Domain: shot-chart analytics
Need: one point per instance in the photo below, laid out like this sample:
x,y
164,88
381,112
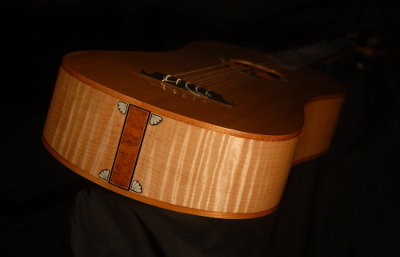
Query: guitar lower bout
x,y
148,151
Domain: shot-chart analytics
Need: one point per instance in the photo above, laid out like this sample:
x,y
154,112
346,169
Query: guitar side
x,y
168,160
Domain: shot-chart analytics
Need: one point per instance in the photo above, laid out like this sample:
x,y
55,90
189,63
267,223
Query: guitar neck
x,y
321,53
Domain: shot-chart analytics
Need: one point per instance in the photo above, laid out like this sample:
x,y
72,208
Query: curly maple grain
x,y
199,157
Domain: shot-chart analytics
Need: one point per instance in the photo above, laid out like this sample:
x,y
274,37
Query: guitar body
x,y
171,147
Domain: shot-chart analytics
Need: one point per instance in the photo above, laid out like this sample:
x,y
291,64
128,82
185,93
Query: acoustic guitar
x,y
210,129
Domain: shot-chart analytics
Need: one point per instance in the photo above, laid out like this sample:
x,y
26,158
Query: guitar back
x,y
178,149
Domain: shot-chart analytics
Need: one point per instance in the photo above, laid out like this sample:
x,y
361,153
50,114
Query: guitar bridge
x,y
199,91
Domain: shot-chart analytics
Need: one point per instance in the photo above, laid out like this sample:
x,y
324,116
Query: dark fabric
x,y
345,203
106,224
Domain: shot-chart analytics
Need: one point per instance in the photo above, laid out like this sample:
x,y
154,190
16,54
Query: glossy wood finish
x,y
204,158
129,147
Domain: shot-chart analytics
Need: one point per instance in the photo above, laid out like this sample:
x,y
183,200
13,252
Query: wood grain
x,y
83,124
129,146
321,115
204,158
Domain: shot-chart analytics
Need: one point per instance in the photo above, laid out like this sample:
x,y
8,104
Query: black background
x,y
345,203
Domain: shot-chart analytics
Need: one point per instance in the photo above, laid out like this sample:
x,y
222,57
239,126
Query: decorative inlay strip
x,y
129,147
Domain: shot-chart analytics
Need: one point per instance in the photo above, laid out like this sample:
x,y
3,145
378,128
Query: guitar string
x,y
223,67
206,81
215,84
232,80
236,80
198,70
207,76
236,84
304,51
237,73
271,63
242,81
204,78
210,67
204,74
232,88
268,63
289,56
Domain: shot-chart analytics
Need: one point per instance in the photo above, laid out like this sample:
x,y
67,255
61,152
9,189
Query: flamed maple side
x,y
165,146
